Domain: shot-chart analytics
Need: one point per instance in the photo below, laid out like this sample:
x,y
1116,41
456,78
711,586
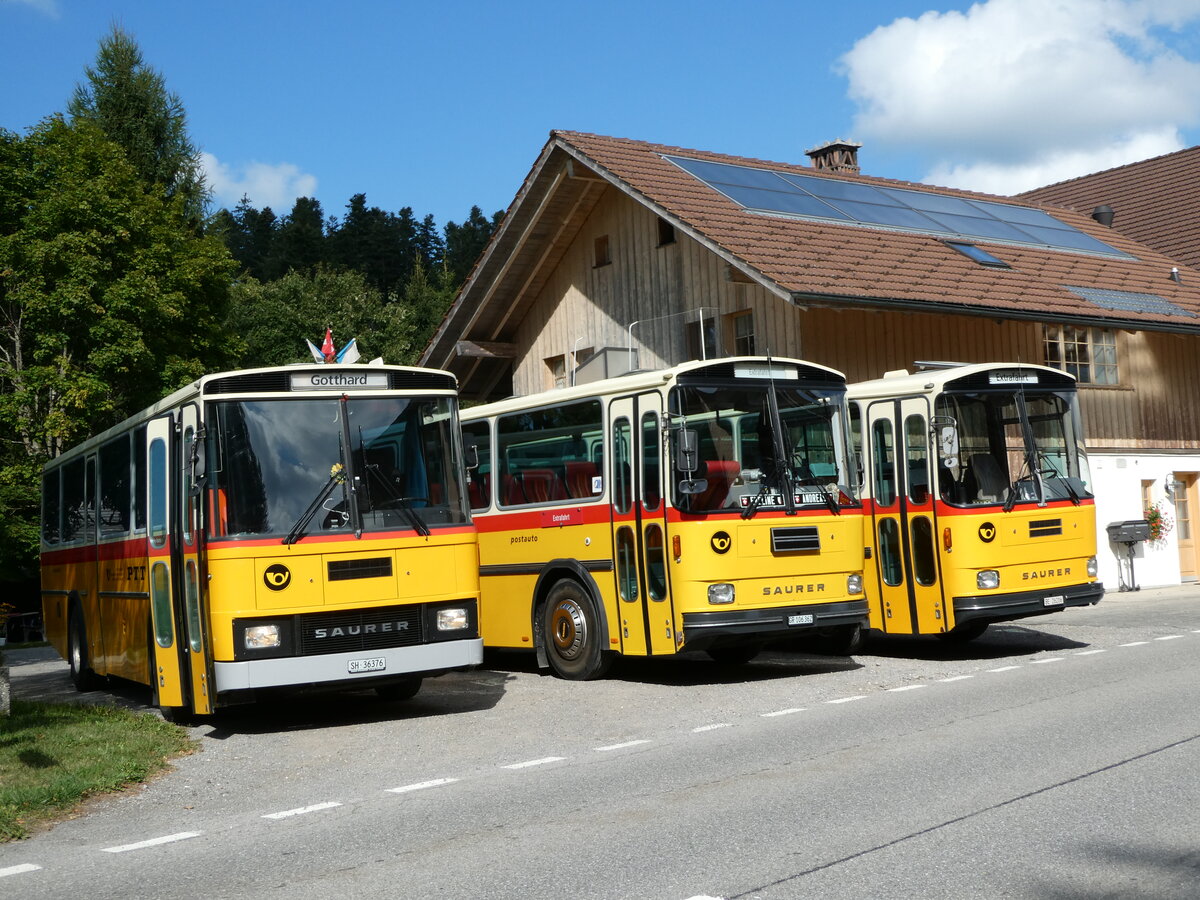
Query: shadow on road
x,y
998,642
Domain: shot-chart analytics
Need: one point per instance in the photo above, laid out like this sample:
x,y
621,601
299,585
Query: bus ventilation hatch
x,y
360,629
795,540
1045,527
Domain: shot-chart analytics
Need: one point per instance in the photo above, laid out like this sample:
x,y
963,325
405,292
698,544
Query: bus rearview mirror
x,y
687,450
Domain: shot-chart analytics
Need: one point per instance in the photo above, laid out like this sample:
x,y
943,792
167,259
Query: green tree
x,y
300,239
130,103
465,242
274,318
426,300
108,300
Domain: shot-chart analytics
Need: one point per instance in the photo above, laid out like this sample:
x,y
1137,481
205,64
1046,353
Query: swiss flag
x,y
327,347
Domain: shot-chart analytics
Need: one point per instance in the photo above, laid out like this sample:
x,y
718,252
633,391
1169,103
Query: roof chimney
x,y
1104,215
835,156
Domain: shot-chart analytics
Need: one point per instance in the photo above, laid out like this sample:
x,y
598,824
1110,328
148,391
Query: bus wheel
x,y
968,631
399,690
842,640
82,675
737,655
571,633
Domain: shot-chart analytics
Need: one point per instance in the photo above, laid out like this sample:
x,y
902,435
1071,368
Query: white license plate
x,y
1052,601
800,620
374,664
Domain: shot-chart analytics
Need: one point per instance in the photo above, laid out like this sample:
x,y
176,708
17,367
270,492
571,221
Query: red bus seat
x,y
579,479
720,474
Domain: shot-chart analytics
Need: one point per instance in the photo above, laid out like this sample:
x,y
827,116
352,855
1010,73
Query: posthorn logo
x,y
721,542
987,532
277,577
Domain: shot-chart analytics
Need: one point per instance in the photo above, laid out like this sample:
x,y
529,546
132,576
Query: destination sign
x,y
1012,378
339,381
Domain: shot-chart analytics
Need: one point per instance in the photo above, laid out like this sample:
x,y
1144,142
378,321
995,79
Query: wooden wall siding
x,y
1155,407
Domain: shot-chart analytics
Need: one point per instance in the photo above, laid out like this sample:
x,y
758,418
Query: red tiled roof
x,y
856,264
1155,201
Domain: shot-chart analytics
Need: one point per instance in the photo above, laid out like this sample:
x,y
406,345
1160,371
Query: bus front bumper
x,y
707,629
1003,607
336,668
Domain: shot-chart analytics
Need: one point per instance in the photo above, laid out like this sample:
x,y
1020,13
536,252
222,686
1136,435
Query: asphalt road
x,y
1052,758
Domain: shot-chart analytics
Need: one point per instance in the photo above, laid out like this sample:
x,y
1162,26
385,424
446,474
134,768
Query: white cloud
x,y
276,186
48,7
1012,94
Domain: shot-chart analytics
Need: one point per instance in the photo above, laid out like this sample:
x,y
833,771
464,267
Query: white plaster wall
x,y
1117,483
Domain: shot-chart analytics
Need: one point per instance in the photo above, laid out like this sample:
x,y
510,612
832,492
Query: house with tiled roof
x,y
619,253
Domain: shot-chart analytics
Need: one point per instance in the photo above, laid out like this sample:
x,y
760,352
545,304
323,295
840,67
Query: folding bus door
x,y
652,531
162,456
195,619
904,526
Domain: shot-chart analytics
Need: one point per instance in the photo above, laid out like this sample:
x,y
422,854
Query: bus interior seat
x,y
480,488
989,478
542,486
720,474
579,479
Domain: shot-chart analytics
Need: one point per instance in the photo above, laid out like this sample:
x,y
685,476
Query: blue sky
x,y
444,105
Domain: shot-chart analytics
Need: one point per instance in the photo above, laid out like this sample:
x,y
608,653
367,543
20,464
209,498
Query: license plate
x,y
1053,601
800,620
374,664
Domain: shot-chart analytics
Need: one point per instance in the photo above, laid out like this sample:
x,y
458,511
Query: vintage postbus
x,y
701,507
977,500
270,528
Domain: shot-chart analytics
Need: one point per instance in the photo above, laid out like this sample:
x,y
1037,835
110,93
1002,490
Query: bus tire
x,y
571,633
737,655
399,690
968,631
82,674
842,640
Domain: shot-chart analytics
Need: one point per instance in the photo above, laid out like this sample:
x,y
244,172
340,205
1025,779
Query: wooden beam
x,y
485,349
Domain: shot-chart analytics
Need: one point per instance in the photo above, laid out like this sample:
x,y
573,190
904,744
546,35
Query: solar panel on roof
x,y
1129,301
899,209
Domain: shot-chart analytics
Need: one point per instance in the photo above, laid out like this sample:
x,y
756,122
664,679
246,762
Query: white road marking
x,y
1004,669
421,785
1088,652
955,678
1169,637
153,842
536,762
907,687
1135,643
316,807
19,870
621,746
782,712
710,727
1038,662
848,699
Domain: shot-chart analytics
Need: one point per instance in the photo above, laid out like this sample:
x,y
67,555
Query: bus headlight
x,y
262,637
720,593
1093,567
454,618
854,584
987,580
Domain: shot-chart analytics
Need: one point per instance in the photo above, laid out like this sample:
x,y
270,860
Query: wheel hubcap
x,y
568,629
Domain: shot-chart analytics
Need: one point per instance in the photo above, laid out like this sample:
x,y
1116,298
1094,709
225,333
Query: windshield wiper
x,y
404,504
337,475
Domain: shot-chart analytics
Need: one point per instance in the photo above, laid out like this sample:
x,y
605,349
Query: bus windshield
x,y
282,467
1013,447
748,462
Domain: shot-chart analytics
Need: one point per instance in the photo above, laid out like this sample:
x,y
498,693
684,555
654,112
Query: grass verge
x,y
53,756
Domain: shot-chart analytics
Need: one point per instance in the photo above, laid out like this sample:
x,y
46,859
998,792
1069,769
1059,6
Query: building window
x,y
743,334
666,232
603,254
557,369
1090,354
701,338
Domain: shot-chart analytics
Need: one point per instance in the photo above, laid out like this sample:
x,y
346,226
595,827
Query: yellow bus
x,y
266,529
977,501
702,507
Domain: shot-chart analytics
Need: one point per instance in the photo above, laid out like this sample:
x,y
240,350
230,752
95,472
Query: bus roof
x,y
943,375
632,382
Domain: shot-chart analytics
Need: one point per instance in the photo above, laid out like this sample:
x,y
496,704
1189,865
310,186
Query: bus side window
x,y
622,488
651,456
479,484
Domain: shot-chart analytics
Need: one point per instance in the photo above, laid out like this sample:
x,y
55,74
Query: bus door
x,y
639,526
163,555
196,649
903,520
